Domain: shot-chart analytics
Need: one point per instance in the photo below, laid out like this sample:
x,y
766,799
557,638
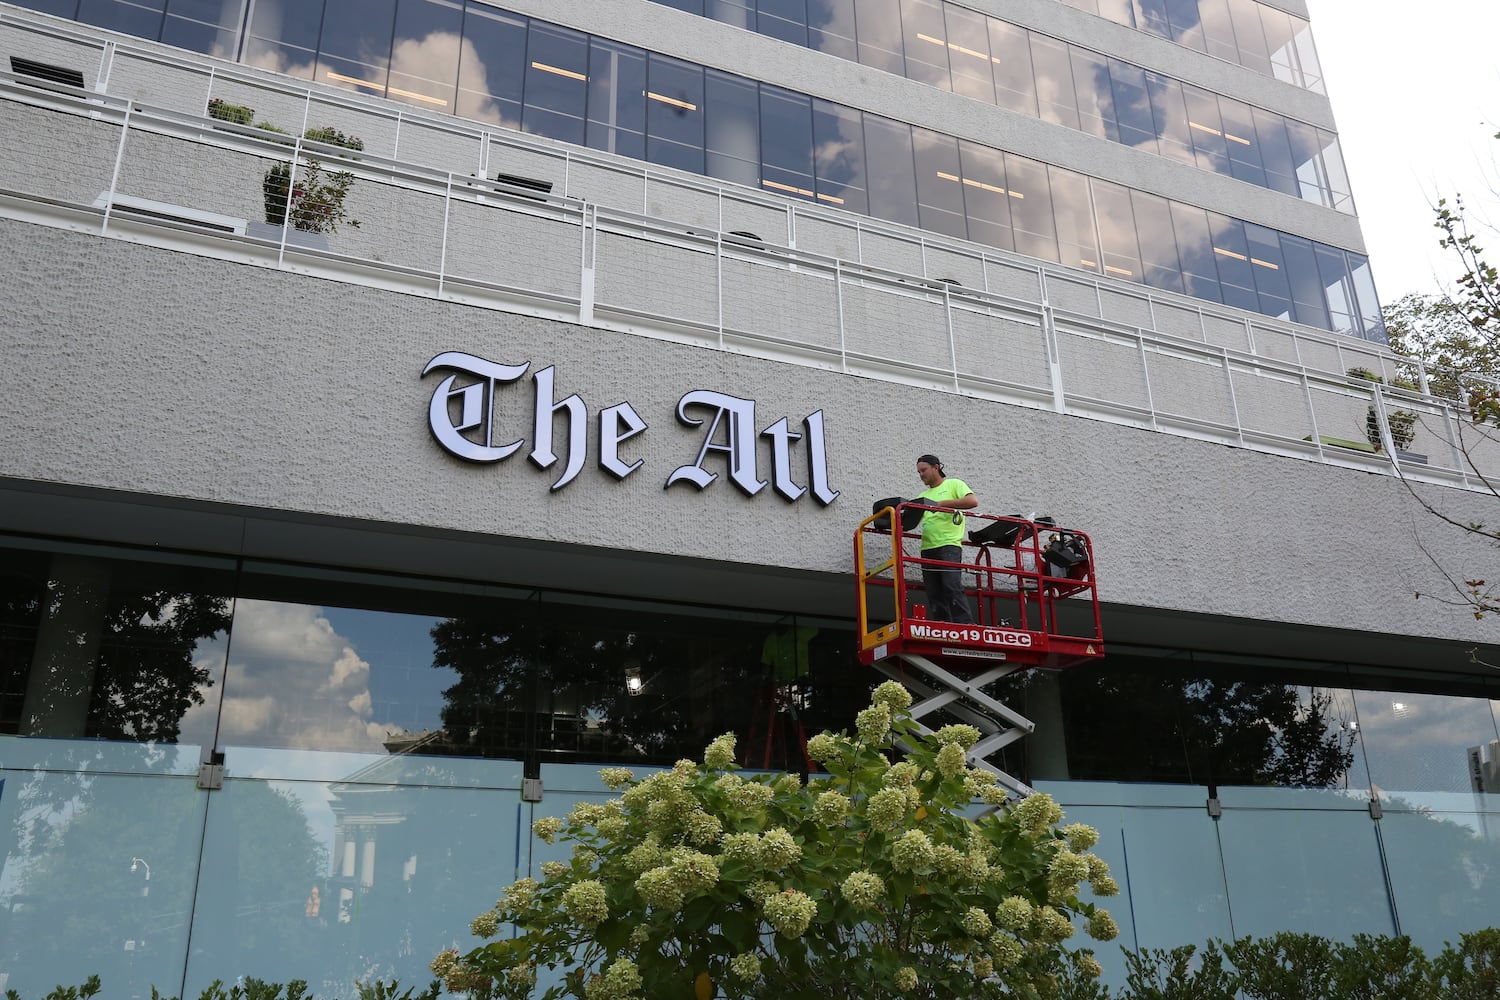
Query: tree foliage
x,y
870,881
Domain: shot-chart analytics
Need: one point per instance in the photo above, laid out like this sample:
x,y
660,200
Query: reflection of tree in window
x,y
1159,724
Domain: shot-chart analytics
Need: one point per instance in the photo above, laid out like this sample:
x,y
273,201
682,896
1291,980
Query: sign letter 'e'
x,y
740,447
476,405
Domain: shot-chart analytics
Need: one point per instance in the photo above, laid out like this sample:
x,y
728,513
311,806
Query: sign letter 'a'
x,y
476,405
738,417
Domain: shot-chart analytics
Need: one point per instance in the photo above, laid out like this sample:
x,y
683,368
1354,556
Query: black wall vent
x,y
46,71
530,183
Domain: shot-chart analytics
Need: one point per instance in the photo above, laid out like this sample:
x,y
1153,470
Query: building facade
x,y
539,439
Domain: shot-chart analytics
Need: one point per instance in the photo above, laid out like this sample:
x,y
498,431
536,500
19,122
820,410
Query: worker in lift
x,y
942,539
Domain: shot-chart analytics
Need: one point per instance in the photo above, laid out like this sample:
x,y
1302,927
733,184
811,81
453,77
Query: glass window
x,y
830,28
1444,861
740,13
1364,294
940,197
101,648
492,66
1337,177
1015,80
1056,100
783,19
354,51
1302,273
1206,130
1232,254
1269,270
1169,116
892,170
1118,11
926,40
674,113
1276,152
1117,234
556,95
969,53
1153,226
62,8
617,99
691,6
424,58
1240,140
1031,208
879,35
1151,15
1096,102
1218,29
1078,244
986,197
1249,36
284,36
1200,272
208,26
732,131
1307,163
1312,870
1307,57
1338,292
1132,105
786,142
1186,23
141,18
1280,43
839,155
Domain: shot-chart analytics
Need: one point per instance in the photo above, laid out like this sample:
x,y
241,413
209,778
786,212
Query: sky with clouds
x,y
1416,96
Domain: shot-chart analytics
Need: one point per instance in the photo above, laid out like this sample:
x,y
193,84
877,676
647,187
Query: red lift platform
x,y
1032,586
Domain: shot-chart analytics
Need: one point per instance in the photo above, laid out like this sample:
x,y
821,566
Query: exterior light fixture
x,y
633,682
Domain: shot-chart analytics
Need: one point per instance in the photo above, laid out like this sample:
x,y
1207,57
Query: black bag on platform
x,y
909,518
1005,533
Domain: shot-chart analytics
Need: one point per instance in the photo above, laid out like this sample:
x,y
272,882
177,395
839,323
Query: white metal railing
x,y
998,334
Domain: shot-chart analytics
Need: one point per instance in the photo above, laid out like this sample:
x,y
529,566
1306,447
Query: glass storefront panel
x,y
1443,850
98,872
346,881
1422,742
1303,860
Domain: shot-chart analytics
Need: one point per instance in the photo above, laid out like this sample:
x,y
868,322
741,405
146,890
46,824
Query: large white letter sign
x,y
476,403
577,416
740,447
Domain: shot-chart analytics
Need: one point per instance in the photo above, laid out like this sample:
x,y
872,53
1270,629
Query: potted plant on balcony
x,y
314,204
1402,423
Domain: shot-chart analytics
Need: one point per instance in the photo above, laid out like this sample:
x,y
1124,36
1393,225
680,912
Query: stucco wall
x,y
148,371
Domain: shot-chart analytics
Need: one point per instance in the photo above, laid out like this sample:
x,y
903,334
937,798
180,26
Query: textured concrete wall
x,y
148,371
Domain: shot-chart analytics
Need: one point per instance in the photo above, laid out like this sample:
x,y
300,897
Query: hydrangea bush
x,y
870,881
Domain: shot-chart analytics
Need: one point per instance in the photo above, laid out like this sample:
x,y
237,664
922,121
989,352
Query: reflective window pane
x,y
1422,742
556,87
1307,163
892,171
1185,23
425,55
1269,269
1249,36
1153,222
830,28
354,50
1056,100
839,150
1151,15
1169,115
674,113
1218,29
783,19
986,197
1336,176
1200,272
1338,290
1276,152
208,26
1232,254
1206,130
1443,853
879,35
284,36
1132,105
1122,258
62,8
1096,101
786,142
969,53
1016,83
617,99
1307,289
1364,294
492,66
1031,208
740,13
1240,140
940,199
141,18
1078,246
926,41
733,133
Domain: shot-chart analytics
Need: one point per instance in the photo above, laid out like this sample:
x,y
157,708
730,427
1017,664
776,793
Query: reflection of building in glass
x,y
555,459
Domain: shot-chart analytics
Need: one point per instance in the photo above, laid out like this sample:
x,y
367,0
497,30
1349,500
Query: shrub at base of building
x,y
868,882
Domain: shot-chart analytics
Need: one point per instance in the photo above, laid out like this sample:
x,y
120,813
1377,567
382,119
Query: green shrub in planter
x,y
239,114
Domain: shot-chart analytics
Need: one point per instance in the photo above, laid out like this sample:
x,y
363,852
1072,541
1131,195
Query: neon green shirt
x,y
947,527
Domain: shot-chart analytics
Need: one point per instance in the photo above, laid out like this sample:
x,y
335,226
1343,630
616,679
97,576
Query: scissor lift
x,y
1032,613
